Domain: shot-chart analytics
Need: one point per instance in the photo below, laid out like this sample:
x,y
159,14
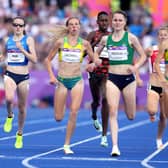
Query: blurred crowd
x,y
40,14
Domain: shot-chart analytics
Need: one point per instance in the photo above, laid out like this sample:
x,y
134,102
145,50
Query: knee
x,y
95,104
9,100
151,110
73,115
113,115
58,117
22,108
104,102
131,116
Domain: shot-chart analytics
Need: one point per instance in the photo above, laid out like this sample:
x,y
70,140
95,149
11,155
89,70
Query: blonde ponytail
x,y
56,32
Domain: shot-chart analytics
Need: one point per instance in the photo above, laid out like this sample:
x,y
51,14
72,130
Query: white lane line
x,y
31,122
46,130
83,159
26,161
147,159
104,159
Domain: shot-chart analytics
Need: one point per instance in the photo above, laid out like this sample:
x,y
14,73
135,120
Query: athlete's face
x,y
162,35
103,22
73,26
118,22
18,26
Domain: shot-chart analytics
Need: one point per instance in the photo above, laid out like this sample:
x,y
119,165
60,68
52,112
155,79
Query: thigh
x,y
10,87
22,92
77,95
94,88
129,96
165,101
60,97
113,96
102,88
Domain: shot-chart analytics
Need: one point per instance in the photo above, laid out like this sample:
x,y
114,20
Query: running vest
x,y
166,56
14,56
70,53
120,52
104,53
103,68
152,59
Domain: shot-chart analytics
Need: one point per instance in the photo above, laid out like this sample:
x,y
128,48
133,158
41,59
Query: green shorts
x,y
69,83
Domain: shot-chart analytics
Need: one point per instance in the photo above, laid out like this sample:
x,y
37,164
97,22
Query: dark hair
x,y
101,13
67,22
19,17
120,12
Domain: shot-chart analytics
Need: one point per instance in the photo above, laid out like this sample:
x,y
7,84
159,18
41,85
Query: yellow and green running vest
x,y
70,53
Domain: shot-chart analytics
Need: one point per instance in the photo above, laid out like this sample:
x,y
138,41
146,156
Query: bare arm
x,y
157,62
102,44
30,55
48,60
95,61
148,51
136,44
89,50
1,57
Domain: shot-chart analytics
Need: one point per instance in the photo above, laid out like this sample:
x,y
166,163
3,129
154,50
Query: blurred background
x,y
144,19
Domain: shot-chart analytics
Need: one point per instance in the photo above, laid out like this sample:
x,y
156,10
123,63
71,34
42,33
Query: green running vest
x,y
120,52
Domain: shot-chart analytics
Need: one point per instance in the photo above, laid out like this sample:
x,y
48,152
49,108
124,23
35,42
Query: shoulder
x,y
59,42
29,39
105,37
85,42
131,36
91,35
133,39
6,39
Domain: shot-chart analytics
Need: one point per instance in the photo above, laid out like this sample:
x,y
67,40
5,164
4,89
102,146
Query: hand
x,y
19,45
98,62
131,69
90,67
53,81
139,82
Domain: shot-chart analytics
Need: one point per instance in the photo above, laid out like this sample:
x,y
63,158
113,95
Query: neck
x,y
72,37
72,40
17,37
103,30
118,33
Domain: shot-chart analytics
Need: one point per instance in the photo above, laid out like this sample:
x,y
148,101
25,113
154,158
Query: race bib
x,y
15,57
71,55
104,53
118,53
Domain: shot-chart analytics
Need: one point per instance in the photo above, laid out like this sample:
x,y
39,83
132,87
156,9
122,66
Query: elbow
x,y
46,61
34,60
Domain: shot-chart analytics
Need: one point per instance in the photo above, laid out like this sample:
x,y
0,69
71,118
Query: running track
x,y
44,138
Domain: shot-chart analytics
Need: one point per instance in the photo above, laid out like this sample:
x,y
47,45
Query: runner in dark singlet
x,y
98,78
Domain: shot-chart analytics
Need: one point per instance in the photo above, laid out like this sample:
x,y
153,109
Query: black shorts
x,y
121,81
17,77
157,89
